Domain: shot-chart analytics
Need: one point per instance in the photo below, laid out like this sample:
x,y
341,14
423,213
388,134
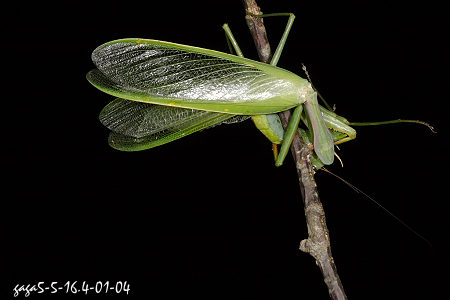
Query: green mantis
x,y
176,90
214,86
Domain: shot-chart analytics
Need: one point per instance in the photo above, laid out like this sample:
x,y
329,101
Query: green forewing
x,y
183,76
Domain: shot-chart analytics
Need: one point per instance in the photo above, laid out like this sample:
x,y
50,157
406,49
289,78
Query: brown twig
x,y
318,242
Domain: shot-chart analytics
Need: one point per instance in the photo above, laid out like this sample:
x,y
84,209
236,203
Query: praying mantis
x,y
167,91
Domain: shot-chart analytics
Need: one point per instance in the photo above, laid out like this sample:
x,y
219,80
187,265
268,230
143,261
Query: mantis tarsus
x,y
177,90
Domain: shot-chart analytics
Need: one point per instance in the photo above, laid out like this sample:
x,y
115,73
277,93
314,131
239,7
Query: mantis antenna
x,y
379,205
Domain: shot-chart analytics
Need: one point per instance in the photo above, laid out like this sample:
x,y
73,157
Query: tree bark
x,y
318,242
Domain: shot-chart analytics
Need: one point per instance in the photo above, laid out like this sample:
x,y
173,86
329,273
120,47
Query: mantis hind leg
x,y
270,125
232,41
295,117
232,44
289,134
277,53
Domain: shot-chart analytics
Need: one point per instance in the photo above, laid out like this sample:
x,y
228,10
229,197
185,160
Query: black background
x,y
209,216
